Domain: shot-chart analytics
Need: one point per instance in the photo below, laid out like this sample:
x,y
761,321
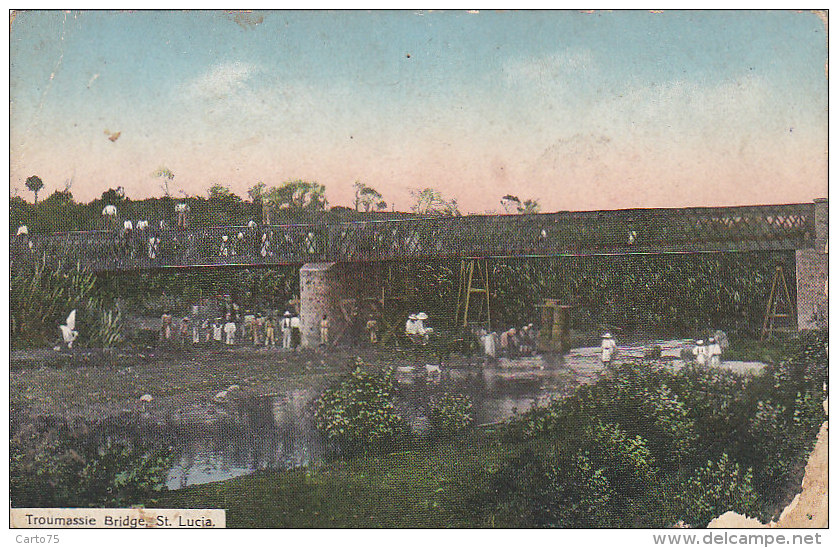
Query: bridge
x,y
800,227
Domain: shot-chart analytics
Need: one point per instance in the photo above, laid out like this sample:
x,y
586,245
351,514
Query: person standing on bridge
x,y
608,349
109,215
182,210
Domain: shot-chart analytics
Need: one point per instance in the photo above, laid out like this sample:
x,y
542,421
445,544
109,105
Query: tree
x,y
368,198
513,204
297,196
167,176
256,192
221,192
431,202
34,184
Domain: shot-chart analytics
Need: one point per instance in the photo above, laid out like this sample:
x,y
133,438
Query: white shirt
x,y
216,332
295,322
229,328
181,207
608,348
128,225
23,229
109,210
142,225
700,353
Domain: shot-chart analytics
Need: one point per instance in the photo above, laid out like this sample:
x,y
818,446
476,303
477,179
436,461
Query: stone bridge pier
x,y
812,267
333,290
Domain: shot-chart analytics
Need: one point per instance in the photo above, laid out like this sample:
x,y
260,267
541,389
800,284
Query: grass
x,y
432,486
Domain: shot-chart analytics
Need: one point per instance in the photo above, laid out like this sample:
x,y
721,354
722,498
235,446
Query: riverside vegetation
x,y
642,447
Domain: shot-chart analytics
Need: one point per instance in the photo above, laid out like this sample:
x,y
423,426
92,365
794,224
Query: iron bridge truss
x,y
629,231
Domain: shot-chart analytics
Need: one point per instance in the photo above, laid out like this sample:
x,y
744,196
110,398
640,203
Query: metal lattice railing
x,y
751,228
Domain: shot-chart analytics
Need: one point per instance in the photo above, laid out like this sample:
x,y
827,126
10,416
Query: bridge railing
x,y
751,228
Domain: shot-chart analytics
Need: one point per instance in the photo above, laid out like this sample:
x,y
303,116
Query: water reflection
x,y
277,432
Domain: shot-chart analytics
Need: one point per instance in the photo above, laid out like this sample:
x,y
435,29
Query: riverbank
x,y
92,386
435,485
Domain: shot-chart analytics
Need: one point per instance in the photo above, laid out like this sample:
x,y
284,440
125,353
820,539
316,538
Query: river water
x,y
276,432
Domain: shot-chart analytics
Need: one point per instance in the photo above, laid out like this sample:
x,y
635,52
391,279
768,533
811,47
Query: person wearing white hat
x,y
608,348
182,209
224,250
285,327
700,352
410,325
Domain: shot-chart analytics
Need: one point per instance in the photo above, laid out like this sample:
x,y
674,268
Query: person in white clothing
x,y
714,352
230,332
285,327
700,352
296,334
217,330
608,348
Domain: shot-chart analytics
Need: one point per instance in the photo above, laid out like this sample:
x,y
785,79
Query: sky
x,y
579,110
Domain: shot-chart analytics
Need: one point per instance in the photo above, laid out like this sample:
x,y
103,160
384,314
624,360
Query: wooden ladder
x,y
474,279
774,299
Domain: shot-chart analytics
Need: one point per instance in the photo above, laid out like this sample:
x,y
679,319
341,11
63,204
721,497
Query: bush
x,y
64,469
559,491
359,414
716,488
43,294
450,414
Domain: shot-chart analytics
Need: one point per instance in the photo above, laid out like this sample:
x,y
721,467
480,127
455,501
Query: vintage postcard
x,y
419,269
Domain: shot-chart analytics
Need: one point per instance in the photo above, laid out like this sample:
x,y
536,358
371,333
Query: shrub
x,y
57,468
450,414
43,294
560,491
359,414
716,488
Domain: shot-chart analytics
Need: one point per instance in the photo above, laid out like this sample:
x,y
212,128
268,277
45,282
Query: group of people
x,y
416,330
248,328
708,353
511,342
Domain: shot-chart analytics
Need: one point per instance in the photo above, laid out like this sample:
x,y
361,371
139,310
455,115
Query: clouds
x,y
222,81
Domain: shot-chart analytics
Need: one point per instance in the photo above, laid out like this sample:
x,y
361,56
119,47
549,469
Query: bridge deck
x,y
748,228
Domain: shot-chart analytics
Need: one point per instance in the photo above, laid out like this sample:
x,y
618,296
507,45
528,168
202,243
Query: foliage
x,y
359,414
166,176
34,184
513,204
297,196
368,198
221,192
637,399
716,488
55,468
561,491
450,414
429,201
43,294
